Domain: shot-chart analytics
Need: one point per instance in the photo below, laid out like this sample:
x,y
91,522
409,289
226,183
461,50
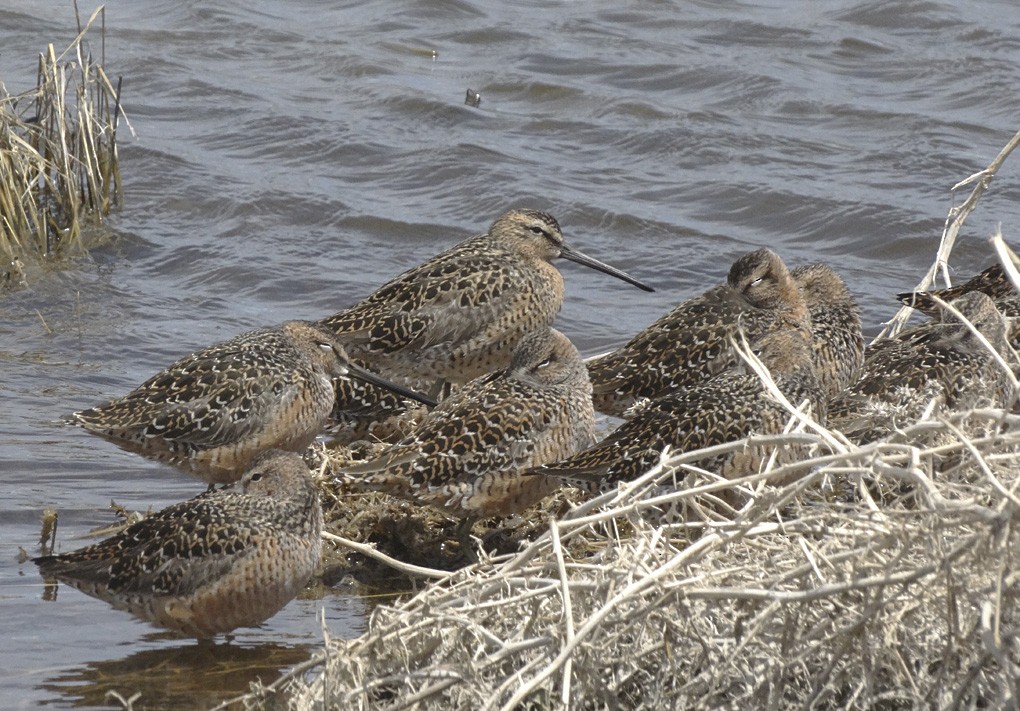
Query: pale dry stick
x,y
575,519
744,350
511,680
406,568
447,679
1000,361
996,628
954,221
985,469
425,693
635,588
1007,257
292,673
118,113
636,487
76,42
831,559
568,613
830,589
684,557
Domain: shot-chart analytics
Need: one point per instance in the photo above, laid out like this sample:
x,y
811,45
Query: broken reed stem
x,y
879,575
954,221
59,169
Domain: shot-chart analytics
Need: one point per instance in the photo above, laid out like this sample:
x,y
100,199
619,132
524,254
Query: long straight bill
x,y
368,376
580,258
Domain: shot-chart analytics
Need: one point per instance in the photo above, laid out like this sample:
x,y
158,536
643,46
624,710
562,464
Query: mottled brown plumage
x,y
940,361
225,559
692,342
460,315
212,412
723,409
992,281
466,456
835,327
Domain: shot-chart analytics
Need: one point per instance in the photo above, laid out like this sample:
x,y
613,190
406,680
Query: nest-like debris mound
x,y
883,575
403,531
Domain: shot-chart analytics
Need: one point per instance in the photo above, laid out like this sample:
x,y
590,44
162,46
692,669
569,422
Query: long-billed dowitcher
x,y
940,365
835,327
456,317
692,342
211,412
227,558
726,408
466,456
460,314
992,281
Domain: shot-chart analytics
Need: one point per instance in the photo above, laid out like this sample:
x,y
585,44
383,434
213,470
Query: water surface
x,y
289,158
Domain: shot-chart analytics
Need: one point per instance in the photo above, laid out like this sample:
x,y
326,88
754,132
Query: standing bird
x,y
692,343
838,342
939,362
726,408
213,411
465,458
225,559
460,315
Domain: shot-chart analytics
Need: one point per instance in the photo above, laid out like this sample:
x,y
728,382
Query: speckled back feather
x,y
691,343
940,360
465,457
992,281
460,314
722,409
838,341
225,559
211,412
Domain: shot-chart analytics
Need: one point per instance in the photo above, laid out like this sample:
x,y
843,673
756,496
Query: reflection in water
x,y
192,675
288,162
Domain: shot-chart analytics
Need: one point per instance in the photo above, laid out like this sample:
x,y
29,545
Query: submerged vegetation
x,y
58,154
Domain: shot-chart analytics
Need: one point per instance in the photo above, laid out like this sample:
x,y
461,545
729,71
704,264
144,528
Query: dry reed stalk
x,y
883,575
954,221
809,596
59,171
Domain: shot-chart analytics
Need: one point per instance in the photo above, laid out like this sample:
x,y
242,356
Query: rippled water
x,y
291,157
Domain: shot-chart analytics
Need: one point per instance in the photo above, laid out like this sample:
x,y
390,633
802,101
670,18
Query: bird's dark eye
x,y
324,346
256,477
545,363
536,230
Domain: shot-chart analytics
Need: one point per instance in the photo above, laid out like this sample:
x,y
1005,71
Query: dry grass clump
x,y
398,531
886,576
58,153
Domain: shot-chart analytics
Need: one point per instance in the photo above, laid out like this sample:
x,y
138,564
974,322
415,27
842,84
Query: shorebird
x,y
940,363
225,559
211,412
725,408
466,456
992,281
460,315
838,342
692,342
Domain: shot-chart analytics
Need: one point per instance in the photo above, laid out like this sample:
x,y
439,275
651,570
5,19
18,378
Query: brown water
x,y
292,156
